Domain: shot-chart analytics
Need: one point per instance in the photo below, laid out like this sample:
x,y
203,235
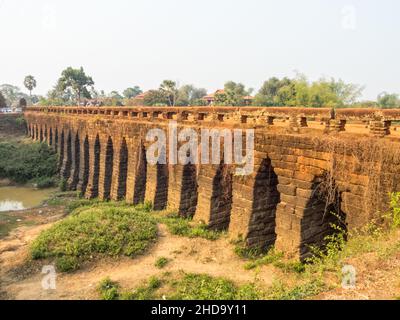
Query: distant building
x,y
139,99
210,99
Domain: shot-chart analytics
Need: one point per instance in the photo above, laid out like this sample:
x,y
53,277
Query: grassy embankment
x,y
116,229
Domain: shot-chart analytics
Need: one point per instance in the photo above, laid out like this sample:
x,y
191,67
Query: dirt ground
x,y
377,278
216,258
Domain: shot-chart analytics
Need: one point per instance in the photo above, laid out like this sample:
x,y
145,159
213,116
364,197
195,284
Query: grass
x,y
279,291
109,290
7,223
161,262
107,229
188,286
187,228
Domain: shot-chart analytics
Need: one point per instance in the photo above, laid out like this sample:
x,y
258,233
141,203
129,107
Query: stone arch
x,y
221,199
266,197
94,190
189,191
41,134
108,169
141,177
123,170
65,171
36,132
56,139
51,136
322,215
161,192
86,164
45,138
76,162
61,146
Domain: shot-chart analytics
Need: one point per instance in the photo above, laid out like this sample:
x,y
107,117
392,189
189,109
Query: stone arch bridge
x,y
308,163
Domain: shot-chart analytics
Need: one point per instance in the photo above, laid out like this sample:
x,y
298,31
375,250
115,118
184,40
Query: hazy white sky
x,y
123,43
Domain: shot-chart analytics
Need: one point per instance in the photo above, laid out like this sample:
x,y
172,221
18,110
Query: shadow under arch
x,y
141,177
67,161
221,199
108,169
94,192
123,170
189,191
323,216
266,197
51,136
84,179
76,162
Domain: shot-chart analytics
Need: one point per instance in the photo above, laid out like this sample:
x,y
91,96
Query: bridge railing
x,y
379,121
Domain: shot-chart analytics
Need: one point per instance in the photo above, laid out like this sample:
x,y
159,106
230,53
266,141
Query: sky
x,y
123,43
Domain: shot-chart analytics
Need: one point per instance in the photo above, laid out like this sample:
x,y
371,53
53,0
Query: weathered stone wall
x,y
301,174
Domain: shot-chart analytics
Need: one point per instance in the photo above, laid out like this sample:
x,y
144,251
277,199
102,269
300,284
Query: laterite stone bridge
x,y
308,163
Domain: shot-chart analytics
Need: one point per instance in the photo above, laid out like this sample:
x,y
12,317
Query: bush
x,y
109,290
100,229
45,182
27,162
161,262
395,210
67,263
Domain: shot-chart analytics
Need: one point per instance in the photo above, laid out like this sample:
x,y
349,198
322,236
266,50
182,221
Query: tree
x,y
188,95
232,95
156,98
77,81
387,100
3,103
269,94
170,91
12,94
130,93
30,83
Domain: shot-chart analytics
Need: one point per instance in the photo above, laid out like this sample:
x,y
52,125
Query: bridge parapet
x,y
378,121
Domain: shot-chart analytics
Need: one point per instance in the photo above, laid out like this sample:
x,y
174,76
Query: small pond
x,y
20,198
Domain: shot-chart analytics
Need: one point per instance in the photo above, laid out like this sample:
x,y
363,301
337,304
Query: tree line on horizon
x,y
74,87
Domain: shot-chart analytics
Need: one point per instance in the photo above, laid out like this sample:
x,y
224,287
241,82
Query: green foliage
x,y
20,121
3,102
22,162
387,100
30,83
246,252
108,289
98,229
161,262
279,291
188,95
67,263
300,92
330,253
205,287
232,95
45,182
12,94
130,93
184,227
75,80
394,215
155,98
63,186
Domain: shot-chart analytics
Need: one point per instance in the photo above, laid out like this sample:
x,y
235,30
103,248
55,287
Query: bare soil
x,y
21,278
